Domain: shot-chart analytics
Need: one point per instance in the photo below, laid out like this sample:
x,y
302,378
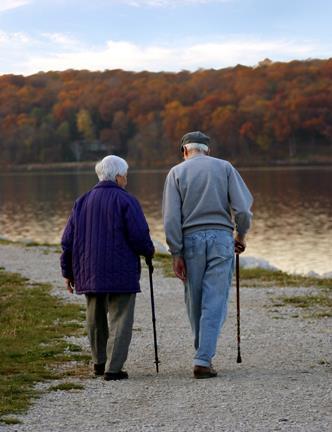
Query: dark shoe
x,y
115,376
203,372
99,369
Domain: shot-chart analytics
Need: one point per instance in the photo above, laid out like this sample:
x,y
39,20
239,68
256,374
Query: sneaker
x,y
99,369
115,376
203,372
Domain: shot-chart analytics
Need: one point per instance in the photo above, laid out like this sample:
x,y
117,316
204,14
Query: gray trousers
x,y
110,339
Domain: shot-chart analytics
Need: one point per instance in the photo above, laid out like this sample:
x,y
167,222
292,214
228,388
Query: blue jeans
x,y
209,258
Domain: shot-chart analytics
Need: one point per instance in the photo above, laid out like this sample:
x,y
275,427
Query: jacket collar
x,y
107,184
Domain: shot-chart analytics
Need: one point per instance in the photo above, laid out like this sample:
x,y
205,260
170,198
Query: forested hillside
x,y
276,111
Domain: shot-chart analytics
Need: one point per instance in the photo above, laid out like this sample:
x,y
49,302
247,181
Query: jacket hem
x,y
106,292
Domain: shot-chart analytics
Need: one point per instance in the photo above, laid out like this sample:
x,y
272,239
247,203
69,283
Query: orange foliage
x,y
275,110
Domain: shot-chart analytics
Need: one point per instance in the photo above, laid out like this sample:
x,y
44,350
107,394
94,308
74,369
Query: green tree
x,y
85,125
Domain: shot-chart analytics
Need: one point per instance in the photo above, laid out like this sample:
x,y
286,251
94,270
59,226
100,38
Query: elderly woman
x,y
102,241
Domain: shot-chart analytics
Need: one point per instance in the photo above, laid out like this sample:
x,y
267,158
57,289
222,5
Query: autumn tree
x,y
275,111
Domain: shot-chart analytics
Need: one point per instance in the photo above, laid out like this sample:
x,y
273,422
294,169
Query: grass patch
x,y
73,348
164,261
9,420
314,305
37,244
33,324
52,246
280,278
324,362
324,314
255,277
302,301
6,242
67,386
47,248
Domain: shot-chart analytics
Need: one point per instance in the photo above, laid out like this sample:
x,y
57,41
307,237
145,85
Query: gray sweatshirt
x,y
204,193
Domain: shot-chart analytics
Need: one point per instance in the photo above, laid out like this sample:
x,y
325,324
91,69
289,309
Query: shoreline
x,y
89,165
246,262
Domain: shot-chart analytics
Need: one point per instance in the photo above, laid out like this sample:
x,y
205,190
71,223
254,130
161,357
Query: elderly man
x,y
104,237
201,196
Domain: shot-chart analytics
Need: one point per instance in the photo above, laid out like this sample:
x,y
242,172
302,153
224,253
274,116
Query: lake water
x,y
292,227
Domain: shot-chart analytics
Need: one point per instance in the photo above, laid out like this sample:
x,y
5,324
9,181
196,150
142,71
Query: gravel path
x,y
282,384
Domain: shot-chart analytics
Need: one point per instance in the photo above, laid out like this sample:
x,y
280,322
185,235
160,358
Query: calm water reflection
x,y
293,210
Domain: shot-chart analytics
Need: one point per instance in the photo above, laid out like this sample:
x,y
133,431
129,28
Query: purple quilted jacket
x,y
103,239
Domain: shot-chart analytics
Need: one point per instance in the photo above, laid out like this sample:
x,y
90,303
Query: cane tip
x,y
239,360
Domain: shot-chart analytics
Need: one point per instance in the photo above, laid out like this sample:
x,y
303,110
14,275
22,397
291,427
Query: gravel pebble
x,y
282,383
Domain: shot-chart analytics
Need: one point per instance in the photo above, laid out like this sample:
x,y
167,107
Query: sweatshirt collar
x,y
196,156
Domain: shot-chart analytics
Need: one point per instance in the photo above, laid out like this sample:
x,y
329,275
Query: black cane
x,y
239,360
149,263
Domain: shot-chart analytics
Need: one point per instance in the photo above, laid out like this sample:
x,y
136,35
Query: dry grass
x,y
33,324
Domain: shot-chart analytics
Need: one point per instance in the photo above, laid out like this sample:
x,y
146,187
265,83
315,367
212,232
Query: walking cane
x,y
149,263
239,360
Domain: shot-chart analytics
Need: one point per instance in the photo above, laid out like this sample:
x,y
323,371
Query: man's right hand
x,y
179,267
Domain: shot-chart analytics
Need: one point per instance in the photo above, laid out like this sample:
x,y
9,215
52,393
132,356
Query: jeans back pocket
x,y
189,247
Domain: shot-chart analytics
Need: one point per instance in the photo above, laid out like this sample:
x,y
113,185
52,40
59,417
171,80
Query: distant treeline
x,y
275,111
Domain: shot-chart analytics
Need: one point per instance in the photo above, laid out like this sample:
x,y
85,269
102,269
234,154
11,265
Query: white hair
x,y
110,167
197,146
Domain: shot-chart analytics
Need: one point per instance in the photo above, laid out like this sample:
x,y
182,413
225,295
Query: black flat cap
x,y
195,137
